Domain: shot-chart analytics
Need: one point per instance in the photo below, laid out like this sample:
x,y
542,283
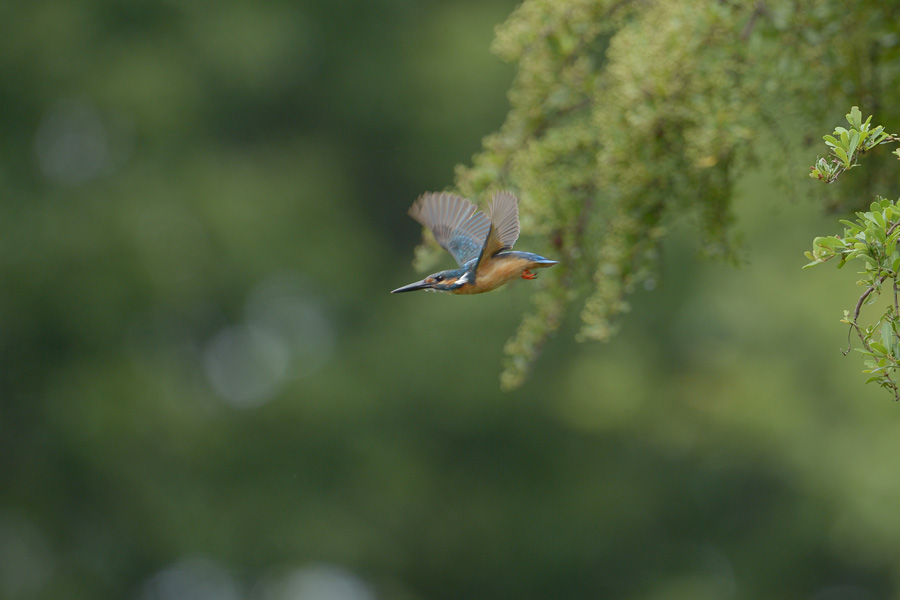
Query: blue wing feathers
x,y
456,223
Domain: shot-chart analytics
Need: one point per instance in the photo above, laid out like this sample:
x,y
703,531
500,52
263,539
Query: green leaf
x,y
842,154
887,335
878,219
854,143
876,136
855,117
845,138
830,243
895,325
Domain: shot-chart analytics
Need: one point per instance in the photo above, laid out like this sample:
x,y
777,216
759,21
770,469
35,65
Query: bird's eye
x,y
438,277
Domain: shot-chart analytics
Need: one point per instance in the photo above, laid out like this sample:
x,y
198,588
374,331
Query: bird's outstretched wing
x,y
456,223
504,219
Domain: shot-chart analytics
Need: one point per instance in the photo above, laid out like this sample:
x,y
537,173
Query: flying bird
x,y
481,243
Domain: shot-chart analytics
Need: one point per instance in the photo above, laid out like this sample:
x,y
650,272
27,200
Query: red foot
x,y
526,274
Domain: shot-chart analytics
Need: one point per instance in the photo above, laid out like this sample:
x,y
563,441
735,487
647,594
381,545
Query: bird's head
x,y
443,281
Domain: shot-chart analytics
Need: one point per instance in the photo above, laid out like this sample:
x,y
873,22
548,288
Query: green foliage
x,y
846,146
628,116
872,238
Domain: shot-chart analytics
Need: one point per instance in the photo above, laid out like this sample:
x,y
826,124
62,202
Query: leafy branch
x,y
872,238
847,145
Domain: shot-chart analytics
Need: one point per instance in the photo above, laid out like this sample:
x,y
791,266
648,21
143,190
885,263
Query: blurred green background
x,y
206,391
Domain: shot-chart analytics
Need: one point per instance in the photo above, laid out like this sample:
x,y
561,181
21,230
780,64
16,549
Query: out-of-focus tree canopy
x,y
206,390
627,116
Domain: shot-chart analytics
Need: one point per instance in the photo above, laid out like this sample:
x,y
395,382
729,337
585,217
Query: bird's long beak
x,y
419,285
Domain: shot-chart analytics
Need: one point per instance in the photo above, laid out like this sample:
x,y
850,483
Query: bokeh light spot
x,y
75,144
286,335
320,581
26,563
285,307
194,578
245,365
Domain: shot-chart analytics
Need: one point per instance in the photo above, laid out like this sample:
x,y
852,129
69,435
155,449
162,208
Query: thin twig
x,y
890,383
849,341
896,306
758,11
865,295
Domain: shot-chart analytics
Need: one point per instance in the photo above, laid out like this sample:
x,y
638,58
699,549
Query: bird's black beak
x,y
419,285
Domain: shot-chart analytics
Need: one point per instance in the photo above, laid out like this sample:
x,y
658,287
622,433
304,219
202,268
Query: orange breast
x,y
496,273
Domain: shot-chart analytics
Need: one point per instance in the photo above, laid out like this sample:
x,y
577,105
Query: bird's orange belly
x,y
495,274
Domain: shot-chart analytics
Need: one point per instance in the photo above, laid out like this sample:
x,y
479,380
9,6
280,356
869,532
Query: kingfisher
x,y
481,243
